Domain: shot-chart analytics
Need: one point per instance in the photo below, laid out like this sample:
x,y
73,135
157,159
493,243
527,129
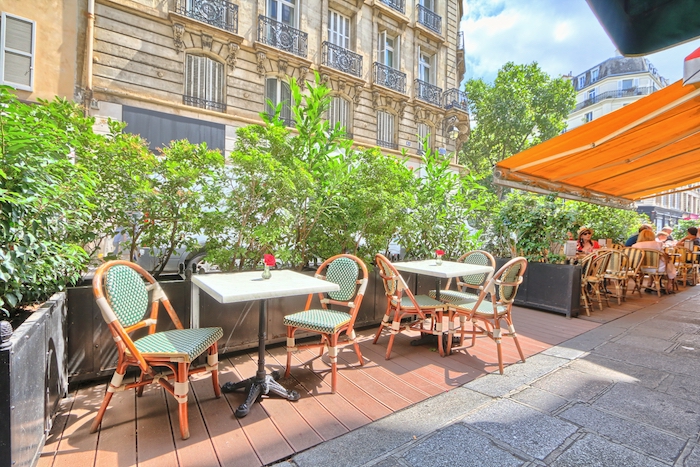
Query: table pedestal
x,y
262,383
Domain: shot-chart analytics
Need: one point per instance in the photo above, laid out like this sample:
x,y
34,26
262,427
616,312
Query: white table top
x,y
249,285
445,270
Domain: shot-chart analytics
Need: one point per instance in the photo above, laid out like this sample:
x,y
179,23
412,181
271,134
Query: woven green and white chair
x,y
123,291
494,305
468,287
350,273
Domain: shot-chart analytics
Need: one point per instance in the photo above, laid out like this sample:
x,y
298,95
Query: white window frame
x,y
280,4
385,49
594,75
581,81
591,94
4,49
386,127
210,83
588,117
281,92
429,4
635,83
339,29
427,67
339,111
424,130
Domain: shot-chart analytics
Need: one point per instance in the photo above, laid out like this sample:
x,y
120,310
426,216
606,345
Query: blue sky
x,y
562,36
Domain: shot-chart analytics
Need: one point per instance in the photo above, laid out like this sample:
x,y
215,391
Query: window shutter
x,y
382,48
397,53
286,98
433,69
270,94
18,51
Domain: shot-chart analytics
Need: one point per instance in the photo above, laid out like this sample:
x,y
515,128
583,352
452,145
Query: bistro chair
x,y
401,303
635,258
616,273
650,269
682,259
468,287
494,304
343,270
593,267
123,298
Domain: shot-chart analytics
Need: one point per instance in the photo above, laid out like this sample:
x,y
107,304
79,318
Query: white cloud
x,y
561,36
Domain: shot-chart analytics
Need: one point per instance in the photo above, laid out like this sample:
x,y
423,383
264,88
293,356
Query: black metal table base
x,y
255,388
432,339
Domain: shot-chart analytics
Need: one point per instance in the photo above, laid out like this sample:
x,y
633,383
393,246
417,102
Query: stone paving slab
x,y
619,371
539,399
574,385
516,375
595,451
645,342
650,359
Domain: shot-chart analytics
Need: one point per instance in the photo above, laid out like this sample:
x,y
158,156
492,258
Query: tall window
x,y
628,85
386,130
591,95
581,81
17,41
204,82
389,50
339,113
588,117
338,29
283,11
424,134
429,4
277,91
594,75
426,67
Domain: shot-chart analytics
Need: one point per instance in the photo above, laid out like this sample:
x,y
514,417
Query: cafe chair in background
x,y
635,257
616,274
494,305
401,303
123,291
350,273
650,269
468,287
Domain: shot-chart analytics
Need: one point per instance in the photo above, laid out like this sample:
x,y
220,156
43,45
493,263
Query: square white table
x,y
445,270
248,286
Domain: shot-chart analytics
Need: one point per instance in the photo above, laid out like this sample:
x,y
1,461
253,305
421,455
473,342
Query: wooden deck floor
x,y
144,431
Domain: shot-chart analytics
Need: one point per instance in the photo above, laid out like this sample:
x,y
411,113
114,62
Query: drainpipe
x,y
90,37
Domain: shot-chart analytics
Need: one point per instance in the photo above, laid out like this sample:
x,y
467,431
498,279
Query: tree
x,y
523,107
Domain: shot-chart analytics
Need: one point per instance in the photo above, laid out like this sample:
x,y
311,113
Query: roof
x,y
644,148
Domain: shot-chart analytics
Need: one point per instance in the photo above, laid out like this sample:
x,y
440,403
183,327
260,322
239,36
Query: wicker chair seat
x,y
180,345
485,308
319,320
423,301
455,297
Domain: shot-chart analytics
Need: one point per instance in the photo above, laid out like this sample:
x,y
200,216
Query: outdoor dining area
x,y
264,404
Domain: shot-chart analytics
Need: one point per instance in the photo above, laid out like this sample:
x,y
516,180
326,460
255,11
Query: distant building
x,y
611,85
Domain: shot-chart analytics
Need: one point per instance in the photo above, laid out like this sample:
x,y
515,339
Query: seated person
x,y
647,241
662,237
668,231
633,239
585,244
692,236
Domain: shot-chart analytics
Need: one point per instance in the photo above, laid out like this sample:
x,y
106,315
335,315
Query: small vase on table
x,y
268,260
438,257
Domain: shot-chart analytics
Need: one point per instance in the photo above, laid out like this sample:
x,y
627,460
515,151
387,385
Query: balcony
x,y
341,59
389,77
203,103
387,144
620,93
282,36
428,93
455,99
218,13
429,19
398,5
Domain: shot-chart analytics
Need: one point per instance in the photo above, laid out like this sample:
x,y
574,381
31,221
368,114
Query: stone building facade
x,y
200,69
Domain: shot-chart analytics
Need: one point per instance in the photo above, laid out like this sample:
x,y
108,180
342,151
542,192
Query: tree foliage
x,y
523,107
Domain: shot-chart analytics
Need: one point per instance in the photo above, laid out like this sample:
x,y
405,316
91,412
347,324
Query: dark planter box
x,y
33,379
550,287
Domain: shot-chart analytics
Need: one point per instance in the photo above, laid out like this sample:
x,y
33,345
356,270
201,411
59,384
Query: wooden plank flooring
x,y
144,431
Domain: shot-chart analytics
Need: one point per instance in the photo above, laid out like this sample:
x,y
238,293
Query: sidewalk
x,y
623,394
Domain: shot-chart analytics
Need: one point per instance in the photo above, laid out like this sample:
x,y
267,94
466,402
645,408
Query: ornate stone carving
x,y
325,78
206,41
358,93
232,56
341,85
282,66
261,62
303,71
178,34
401,108
375,99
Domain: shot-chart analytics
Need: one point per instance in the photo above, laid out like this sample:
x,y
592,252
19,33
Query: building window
x,y
628,86
276,92
17,41
424,134
426,67
282,11
339,114
594,75
581,81
204,83
386,130
591,95
338,29
389,50
588,117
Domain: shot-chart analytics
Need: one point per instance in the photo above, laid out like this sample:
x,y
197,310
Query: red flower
x,y
439,252
269,260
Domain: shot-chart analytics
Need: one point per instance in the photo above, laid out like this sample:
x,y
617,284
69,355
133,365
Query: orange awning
x,y
644,148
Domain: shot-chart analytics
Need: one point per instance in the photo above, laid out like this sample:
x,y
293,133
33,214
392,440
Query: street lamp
x,y
453,133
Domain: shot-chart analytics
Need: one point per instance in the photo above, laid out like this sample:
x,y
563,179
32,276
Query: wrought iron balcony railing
x,y
282,36
429,19
341,59
203,103
218,13
428,92
630,92
398,5
389,77
387,144
455,99
460,40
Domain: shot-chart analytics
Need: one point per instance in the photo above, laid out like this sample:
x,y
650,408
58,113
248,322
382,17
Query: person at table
x,y
585,243
662,237
647,240
692,235
668,229
634,238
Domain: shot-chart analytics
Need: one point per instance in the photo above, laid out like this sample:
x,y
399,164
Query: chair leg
x,y
112,386
181,389
385,321
213,362
333,355
353,338
290,348
511,333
